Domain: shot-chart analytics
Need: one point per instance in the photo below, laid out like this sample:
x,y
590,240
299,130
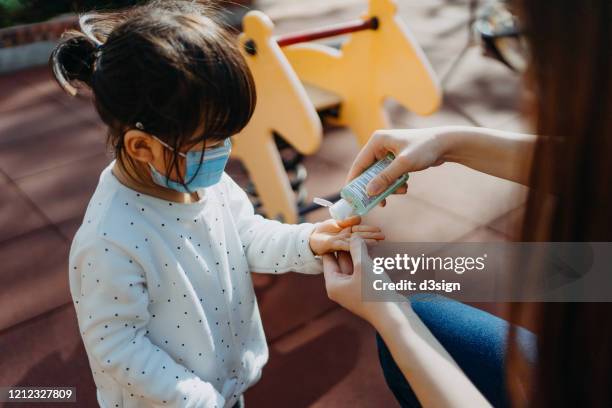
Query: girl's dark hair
x,y
571,196
166,65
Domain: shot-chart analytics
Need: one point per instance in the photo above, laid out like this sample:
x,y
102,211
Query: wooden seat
x,y
321,99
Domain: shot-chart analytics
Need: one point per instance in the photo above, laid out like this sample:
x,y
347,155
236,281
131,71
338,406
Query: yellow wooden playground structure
x,y
296,79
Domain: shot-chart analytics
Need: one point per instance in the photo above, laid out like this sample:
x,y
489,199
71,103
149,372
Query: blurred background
x,y
52,149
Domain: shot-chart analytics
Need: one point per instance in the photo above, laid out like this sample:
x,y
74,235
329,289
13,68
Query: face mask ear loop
x,y
183,155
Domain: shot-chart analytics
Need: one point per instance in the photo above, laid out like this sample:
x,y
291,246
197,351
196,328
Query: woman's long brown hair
x,y
571,198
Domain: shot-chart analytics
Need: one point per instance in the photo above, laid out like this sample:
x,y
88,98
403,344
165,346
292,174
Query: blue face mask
x,y
197,176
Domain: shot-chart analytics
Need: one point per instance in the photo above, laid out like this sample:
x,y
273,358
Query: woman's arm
x,y
502,154
507,155
432,373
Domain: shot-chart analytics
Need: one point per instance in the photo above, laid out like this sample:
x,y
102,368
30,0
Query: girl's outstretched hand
x,y
331,235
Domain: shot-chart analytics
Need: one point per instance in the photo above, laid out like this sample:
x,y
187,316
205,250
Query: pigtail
x,y
73,60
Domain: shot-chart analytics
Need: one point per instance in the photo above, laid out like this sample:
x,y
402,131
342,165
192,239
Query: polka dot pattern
x,y
163,292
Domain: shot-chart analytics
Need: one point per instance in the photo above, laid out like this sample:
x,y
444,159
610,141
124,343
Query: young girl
x,y
160,268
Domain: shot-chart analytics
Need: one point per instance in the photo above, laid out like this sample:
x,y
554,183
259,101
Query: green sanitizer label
x,y
355,191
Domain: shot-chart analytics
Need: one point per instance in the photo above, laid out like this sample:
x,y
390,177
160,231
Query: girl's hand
x,y
331,235
414,150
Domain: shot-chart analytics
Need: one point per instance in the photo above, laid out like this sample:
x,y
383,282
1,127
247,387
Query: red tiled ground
x,y
52,150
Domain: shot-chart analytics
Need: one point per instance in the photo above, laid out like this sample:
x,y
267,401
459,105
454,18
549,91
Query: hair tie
x,y
96,56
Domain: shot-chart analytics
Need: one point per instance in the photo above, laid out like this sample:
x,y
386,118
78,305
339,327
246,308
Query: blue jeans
x,y
475,339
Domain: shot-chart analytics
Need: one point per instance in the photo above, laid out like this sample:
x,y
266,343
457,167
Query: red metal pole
x,y
326,32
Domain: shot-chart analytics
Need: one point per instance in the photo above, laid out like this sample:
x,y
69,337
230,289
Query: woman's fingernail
x,y
374,188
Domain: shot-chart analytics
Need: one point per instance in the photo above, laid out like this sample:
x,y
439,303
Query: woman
x,y
568,169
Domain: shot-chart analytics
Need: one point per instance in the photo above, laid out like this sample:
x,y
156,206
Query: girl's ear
x,y
142,147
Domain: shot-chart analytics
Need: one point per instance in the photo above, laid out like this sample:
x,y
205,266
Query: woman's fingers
x,y
345,263
370,235
341,244
357,248
365,228
397,168
342,236
402,189
381,143
365,158
377,147
330,264
331,272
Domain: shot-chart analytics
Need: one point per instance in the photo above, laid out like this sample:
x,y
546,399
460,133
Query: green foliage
x,y
29,11
7,7
9,4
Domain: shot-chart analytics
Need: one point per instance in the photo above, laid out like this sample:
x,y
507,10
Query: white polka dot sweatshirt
x,y
164,297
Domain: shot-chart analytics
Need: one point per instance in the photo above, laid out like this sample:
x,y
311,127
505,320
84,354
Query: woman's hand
x,y
331,235
343,279
507,155
414,149
432,373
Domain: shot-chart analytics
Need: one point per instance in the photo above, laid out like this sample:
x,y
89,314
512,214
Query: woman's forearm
x,y
432,373
507,155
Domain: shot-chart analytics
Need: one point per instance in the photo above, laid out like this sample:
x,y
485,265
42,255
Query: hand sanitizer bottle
x,y
355,200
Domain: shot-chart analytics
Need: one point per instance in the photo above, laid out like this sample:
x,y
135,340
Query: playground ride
x,y
297,80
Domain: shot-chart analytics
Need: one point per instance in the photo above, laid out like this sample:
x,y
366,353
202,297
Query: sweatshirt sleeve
x,y
110,296
271,246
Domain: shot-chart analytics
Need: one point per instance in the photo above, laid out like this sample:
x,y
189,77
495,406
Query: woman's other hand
x,y
433,374
343,280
